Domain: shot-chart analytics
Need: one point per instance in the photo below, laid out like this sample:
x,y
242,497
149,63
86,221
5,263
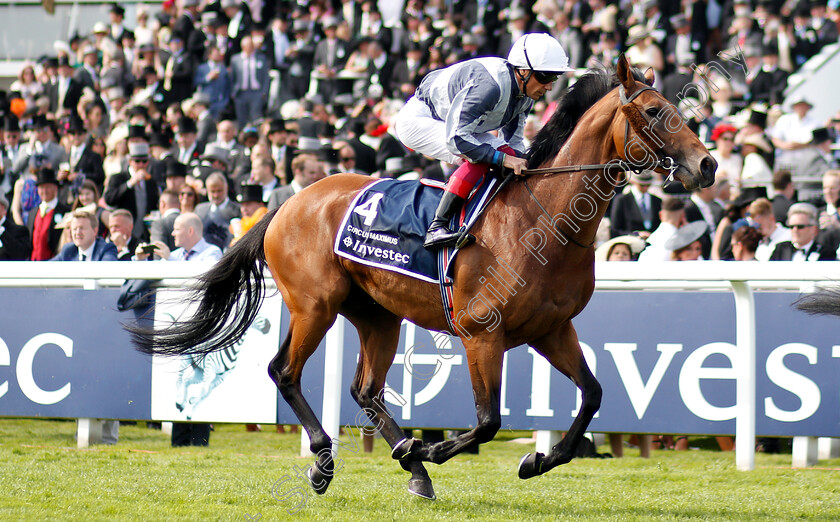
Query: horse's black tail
x,y
229,296
825,301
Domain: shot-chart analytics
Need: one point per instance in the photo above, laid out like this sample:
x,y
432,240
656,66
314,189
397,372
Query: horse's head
x,y
653,133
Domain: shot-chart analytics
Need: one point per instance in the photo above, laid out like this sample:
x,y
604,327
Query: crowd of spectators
x,y
145,115
222,110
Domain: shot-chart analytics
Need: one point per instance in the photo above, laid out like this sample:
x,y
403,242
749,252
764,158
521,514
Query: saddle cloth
x,y
386,224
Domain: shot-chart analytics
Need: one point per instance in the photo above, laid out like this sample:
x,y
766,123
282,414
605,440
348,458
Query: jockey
x,y
454,111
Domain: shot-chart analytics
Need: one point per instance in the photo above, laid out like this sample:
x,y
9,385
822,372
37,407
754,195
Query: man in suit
x,y
212,79
803,246
120,227
769,83
86,246
170,209
84,160
637,211
307,169
185,26
249,71
8,155
15,244
187,149
134,189
702,206
204,120
220,209
330,55
785,192
239,161
178,73
65,94
41,221
88,75
41,149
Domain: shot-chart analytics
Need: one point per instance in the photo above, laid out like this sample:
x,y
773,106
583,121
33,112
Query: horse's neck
x,y
577,202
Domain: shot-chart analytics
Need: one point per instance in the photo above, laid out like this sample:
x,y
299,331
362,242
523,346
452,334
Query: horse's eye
x,y
653,111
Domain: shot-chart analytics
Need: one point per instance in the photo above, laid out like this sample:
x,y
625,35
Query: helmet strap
x,y
525,81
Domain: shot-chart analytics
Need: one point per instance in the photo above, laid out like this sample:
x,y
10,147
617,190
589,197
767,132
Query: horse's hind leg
x,y
305,334
562,350
485,363
379,332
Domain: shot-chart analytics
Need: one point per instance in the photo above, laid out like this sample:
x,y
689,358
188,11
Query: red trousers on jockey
x,y
457,190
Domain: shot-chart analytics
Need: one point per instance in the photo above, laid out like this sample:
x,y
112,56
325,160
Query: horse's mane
x,y
589,88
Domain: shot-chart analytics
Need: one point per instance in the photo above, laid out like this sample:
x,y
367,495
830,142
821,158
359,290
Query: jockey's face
x,y
534,89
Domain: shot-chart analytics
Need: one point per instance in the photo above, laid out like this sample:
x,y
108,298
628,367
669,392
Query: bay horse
x,y
603,117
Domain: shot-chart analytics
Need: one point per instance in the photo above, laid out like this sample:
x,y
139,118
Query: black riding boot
x,y
438,234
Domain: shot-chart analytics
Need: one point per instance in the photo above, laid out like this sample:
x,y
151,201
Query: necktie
x,y
253,73
84,257
189,255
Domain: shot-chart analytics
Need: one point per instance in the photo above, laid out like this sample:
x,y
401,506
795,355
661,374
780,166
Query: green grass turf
x,y
44,477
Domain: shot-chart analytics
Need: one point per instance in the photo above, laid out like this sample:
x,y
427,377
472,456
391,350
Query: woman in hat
x,y
621,248
730,162
643,52
685,244
27,84
756,172
456,110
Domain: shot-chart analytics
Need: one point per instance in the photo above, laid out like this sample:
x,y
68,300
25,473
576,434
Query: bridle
x,y
627,106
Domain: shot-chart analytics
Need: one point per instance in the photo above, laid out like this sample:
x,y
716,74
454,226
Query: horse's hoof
x,y
530,465
318,480
404,448
422,488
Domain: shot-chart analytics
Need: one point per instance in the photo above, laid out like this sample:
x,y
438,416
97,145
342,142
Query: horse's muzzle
x,y
708,166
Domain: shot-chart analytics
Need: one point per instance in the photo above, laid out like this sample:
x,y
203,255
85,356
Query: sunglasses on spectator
x,y
140,160
726,138
800,227
347,158
545,78
187,194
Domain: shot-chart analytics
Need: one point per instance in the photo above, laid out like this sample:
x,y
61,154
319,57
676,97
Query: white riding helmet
x,y
539,52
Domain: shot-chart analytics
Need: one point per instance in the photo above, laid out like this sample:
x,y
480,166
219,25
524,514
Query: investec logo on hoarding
x,y
419,387
25,363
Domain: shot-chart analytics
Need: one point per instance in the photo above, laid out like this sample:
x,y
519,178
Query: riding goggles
x,y
544,77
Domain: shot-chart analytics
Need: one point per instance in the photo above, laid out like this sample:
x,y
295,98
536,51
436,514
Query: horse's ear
x,y
650,76
625,75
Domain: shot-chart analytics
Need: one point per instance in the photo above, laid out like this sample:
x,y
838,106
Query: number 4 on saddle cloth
x,y
386,224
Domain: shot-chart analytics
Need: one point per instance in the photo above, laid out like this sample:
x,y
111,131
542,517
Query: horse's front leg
x,y
484,358
562,350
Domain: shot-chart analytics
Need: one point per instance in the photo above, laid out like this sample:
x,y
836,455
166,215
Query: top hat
x,y
117,9
758,118
40,121
63,61
46,175
201,98
678,21
160,140
644,177
248,193
187,126
821,135
175,169
276,125
329,21
11,123
217,152
305,143
75,125
686,235
748,195
137,131
138,150
299,26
